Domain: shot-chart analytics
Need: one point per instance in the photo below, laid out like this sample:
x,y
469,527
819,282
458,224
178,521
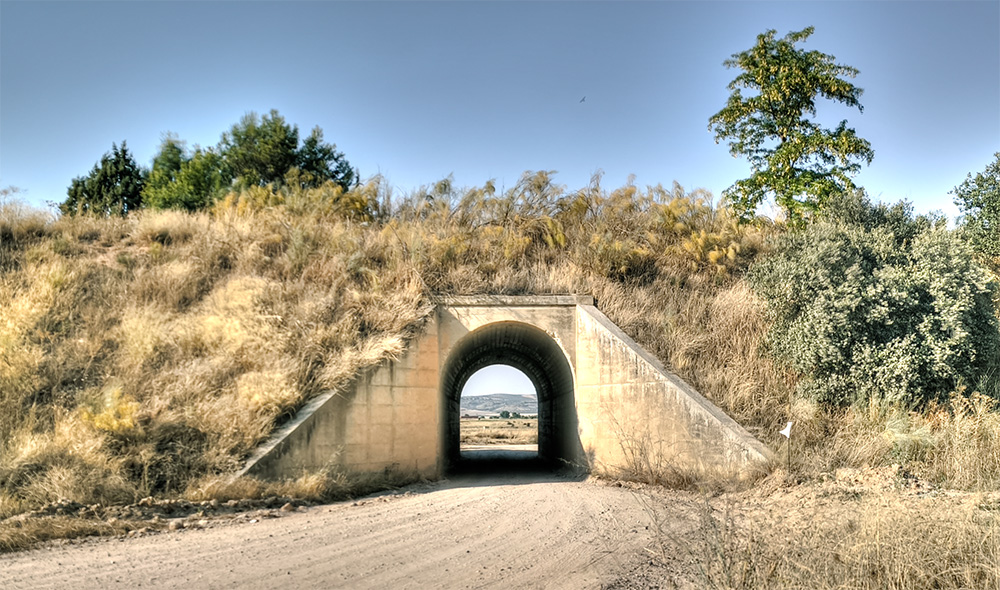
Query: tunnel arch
x,y
536,354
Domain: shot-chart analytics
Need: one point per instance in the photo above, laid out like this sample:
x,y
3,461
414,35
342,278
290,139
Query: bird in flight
x,y
583,99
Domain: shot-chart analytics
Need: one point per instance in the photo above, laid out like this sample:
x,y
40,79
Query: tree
x,y
322,162
167,162
794,160
166,165
260,150
196,184
979,200
113,187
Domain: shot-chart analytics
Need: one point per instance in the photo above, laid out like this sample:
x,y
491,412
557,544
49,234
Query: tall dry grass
x,y
875,543
140,355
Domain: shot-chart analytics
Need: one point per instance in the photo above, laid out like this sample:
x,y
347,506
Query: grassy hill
x,y
148,355
494,403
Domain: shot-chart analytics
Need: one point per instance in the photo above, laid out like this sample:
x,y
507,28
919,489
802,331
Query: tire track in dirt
x,y
527,531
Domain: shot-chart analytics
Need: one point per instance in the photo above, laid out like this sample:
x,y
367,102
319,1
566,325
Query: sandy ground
x,y
478,531
519,527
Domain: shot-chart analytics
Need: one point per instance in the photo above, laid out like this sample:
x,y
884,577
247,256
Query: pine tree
x,y
113,187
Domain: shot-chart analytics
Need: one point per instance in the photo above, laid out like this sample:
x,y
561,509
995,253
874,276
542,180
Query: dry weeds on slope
x,y
147,355
141,354
870,528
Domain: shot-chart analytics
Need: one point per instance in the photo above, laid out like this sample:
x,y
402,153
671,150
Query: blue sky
x,y
482,90
498,379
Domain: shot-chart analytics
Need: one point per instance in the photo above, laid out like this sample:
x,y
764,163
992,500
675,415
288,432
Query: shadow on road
x,y
510,465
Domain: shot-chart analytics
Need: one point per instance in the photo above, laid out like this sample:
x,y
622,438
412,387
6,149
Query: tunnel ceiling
x,y
521,346
538,356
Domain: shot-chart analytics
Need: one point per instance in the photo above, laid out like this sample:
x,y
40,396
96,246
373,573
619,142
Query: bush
x,y
896,311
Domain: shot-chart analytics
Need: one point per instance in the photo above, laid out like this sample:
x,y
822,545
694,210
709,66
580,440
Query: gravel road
x,y
509,531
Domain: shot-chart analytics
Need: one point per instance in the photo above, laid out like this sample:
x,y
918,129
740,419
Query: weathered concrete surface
x,y
634,414
386,419
604,403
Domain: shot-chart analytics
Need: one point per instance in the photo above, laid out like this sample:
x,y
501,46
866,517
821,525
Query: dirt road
x,y
511,531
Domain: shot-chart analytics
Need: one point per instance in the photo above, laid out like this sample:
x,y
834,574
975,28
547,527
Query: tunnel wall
x,y
548,324
636,415
535,353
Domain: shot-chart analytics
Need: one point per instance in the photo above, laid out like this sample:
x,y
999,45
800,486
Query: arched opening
x,y
541,359
499,413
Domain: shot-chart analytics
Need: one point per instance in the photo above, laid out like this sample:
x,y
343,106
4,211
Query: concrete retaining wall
x,y
636,415
386,419
608,404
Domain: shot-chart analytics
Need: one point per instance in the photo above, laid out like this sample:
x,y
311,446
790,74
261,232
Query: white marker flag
x,y
787,431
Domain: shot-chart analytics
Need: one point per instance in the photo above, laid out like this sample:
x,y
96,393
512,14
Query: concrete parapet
x,y
515,300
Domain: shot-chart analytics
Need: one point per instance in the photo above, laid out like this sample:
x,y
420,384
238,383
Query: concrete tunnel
x,y
542,360
598,391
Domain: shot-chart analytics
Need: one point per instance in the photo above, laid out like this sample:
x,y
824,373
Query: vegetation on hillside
x,y
257,151
113,187
146,351
865,309
142,354
978,197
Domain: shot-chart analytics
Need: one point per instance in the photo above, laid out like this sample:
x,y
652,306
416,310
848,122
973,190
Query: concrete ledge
x,y
515,300
272,449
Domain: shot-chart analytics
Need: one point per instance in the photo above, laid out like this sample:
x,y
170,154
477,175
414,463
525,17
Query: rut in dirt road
x,y
523,531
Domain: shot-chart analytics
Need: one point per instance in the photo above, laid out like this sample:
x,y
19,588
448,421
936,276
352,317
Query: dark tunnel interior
x,y
539,357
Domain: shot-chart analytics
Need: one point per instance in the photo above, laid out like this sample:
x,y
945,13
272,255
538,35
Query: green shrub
x,y
896,311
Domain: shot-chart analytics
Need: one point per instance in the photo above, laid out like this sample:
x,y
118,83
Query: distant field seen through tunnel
x,y
499,406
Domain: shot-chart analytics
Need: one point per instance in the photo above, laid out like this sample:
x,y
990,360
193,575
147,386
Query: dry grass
x,y
148,355
148,352
513,431
139,355
324,486
862,539
17,535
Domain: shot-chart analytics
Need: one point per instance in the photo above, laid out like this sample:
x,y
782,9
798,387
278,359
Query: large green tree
x,y
113,187
260,150
794,160
167,162
263,150
322,162
979,200
179,181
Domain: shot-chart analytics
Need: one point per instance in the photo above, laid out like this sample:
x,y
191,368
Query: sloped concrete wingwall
x,y
634,414
387,419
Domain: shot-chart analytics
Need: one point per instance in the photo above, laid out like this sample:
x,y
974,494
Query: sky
x,y
417,91
498,379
